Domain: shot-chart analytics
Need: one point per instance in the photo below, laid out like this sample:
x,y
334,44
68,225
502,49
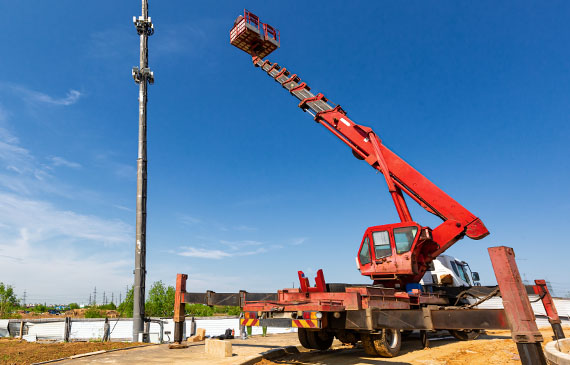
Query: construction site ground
x,y
495,347
15,351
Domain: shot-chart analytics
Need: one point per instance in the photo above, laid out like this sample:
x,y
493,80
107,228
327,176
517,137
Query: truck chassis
x,y
378,316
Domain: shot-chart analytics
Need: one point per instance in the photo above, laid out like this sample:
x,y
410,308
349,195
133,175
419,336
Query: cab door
x,y
364,257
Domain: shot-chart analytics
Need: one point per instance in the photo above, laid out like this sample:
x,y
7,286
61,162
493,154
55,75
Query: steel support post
x,y
542,291
179,310
517,306
142,75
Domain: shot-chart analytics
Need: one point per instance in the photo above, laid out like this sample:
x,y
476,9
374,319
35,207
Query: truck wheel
x,y
465,335
303,339
368,344
320,340
388,343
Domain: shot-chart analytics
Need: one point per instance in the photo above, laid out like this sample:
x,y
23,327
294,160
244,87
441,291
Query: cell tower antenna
x,y
142,76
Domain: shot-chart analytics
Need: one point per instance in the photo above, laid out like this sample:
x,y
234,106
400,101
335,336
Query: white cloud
x,y
70,98
189,220
215,253
50,251
36,221
244,228
203,253
60,161
298,241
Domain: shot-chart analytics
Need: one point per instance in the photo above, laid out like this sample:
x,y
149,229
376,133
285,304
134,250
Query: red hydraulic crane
x,y
392,254
395,255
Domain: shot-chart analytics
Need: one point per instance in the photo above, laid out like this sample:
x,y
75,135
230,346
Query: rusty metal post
x,y
542,291
141,75
518,310
179,310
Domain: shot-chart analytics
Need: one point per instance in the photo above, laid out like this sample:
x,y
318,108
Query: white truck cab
x,y
447,270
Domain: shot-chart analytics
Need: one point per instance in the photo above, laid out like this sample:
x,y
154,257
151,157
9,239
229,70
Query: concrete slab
x,y
243,351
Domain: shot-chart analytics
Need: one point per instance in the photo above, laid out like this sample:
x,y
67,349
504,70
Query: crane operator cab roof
x,y
254,37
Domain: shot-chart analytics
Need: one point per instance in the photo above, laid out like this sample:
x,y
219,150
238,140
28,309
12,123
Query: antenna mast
x,y
141,75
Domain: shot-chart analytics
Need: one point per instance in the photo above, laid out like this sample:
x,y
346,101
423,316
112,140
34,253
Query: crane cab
x,y
388,253
254,37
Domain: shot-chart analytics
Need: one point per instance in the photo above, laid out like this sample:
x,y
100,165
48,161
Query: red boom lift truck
x,y
394,256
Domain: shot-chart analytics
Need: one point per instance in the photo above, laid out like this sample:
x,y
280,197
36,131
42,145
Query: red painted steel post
x,y
517,306
542,291
179,310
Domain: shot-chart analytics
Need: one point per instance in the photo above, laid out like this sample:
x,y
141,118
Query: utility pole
x,y
141,75
95,296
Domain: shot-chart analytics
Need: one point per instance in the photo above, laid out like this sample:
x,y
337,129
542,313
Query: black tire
x,y
368,344
303,339
465,335
388,343
320,340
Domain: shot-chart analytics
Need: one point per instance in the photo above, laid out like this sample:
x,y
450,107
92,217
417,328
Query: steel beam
x,y
518,310
542,291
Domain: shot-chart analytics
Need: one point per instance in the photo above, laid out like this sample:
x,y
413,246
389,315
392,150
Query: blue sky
x,y
244,188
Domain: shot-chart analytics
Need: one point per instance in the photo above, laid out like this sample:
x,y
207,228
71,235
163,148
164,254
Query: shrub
x,y
94,313
199,310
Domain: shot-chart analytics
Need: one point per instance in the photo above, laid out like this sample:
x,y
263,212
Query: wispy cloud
x,y
36,220
298,241
60,161
244,228
37,97
216,254
203,253
189,220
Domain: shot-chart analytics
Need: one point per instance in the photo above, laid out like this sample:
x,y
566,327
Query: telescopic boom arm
x,y
400,176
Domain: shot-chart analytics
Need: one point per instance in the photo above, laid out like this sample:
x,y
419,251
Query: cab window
x,y
404,238
381,244
364,254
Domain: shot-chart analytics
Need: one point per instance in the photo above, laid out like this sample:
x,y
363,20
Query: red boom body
x,y
394,254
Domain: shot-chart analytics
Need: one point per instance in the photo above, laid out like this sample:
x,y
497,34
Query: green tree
x,y
73,306
110,306
160,301
126,307
8,300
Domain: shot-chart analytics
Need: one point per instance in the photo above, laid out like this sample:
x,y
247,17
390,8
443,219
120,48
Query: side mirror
x,y
475,276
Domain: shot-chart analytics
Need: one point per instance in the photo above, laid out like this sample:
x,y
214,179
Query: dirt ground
x,y
15,351
495,347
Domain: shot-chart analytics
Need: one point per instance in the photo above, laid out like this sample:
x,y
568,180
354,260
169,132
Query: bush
x,y
227,309
40,308
73,306
110,306
199,310
94,313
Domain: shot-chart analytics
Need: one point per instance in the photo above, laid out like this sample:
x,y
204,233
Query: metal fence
x,y
88,329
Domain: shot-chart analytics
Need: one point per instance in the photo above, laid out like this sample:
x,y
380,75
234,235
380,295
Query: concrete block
x,y
201,333
194,339
219,348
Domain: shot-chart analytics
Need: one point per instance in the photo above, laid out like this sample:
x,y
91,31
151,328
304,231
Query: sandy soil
x,y
496,347
14,351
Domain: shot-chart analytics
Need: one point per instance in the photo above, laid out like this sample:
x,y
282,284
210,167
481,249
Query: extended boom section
x,y
399,175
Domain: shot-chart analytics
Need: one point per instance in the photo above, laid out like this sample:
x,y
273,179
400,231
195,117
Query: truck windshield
x,y
404,238
463,273
381,244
